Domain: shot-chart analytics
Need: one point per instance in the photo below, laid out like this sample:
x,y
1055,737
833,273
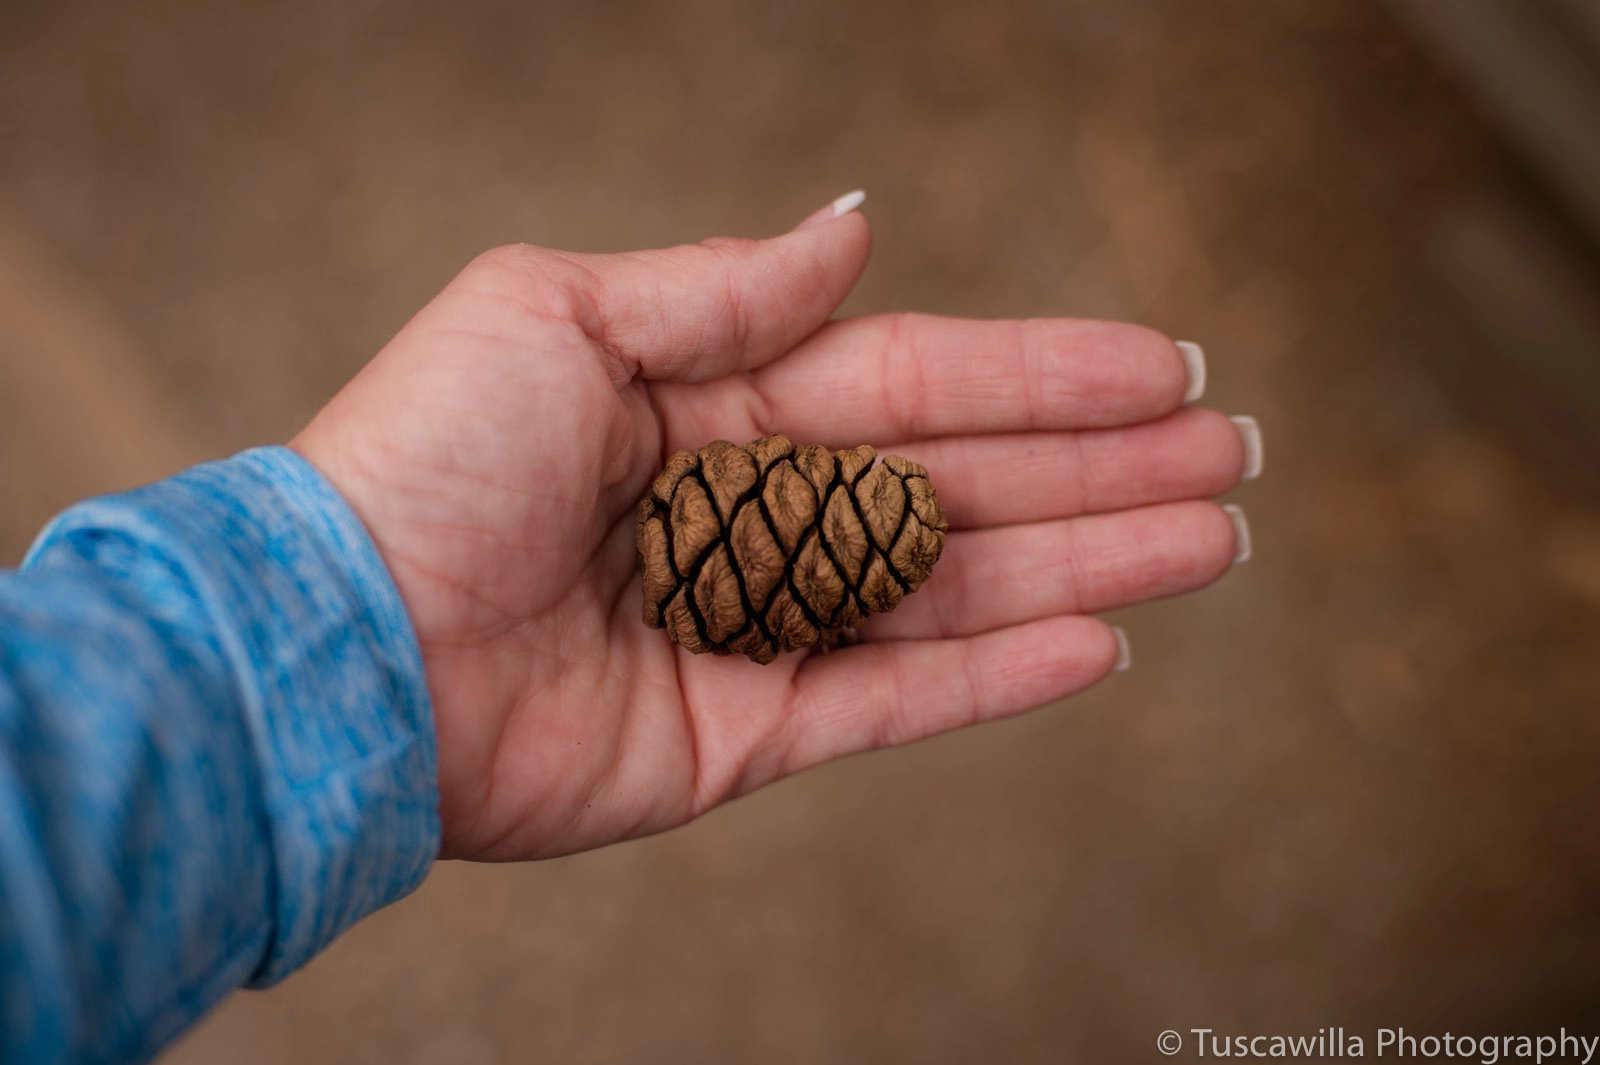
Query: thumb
x,y
704,310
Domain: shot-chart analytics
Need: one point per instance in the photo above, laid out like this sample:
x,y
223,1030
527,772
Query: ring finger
x,y
992,578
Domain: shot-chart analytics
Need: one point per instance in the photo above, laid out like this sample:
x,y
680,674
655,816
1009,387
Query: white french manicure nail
x,y
1194,360
1124,653
1254,455
1241,532
828,212
849,202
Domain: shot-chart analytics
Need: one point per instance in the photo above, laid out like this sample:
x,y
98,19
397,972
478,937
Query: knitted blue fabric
x,y
216,753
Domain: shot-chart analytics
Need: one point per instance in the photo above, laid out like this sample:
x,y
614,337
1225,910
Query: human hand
x,y
497,446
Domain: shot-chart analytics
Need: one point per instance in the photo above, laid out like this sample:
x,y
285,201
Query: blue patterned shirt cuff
x,y
326,670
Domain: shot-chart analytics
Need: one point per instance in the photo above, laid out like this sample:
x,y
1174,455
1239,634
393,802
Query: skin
x,y
496,448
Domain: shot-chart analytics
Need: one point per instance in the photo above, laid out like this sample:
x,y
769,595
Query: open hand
x,y
496,449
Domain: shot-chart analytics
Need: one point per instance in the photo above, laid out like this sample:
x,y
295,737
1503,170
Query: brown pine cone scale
x,y
769,547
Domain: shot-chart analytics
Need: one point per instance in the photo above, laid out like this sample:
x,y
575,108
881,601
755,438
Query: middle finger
x,y
984,481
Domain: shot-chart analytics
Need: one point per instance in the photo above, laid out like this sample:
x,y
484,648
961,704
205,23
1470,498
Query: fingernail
x,y
1254,456
842,206
1241,532
1194,360
1124,654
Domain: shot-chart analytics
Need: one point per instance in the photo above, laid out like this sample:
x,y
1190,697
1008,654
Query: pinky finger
x,y
886,694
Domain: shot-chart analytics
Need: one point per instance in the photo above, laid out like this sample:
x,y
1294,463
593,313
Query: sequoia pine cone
x,y
768,547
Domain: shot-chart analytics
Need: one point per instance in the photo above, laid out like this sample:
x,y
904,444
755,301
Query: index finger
x,y
914,376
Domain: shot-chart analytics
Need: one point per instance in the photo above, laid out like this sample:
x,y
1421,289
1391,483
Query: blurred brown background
x,y
1354,784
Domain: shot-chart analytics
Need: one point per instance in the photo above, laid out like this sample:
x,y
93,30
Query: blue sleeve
x,y
216,753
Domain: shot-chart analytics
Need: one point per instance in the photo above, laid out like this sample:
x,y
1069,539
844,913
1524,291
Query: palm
x,y
519,432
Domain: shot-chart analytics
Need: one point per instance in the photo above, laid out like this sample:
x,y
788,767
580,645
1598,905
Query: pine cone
x,y
768,547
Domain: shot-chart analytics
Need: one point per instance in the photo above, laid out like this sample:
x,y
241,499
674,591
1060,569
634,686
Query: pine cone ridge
x,y
769,547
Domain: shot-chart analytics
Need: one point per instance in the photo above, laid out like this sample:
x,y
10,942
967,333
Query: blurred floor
x,y
1351,785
